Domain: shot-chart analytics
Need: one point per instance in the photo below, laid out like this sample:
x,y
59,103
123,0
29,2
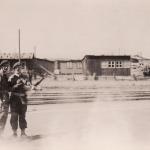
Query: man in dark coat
x,y
4,96
18,100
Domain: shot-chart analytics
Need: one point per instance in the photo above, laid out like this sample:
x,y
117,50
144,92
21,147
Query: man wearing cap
x,y
4,96
18,100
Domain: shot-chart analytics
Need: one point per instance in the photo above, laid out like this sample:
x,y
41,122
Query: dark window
x,y
113,64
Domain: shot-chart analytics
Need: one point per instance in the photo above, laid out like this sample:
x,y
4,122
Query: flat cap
x,y
16,65
3,62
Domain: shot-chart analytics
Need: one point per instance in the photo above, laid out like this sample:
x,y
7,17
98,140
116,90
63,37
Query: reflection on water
x,y
82,92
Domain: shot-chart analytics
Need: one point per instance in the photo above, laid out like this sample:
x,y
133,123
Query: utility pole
x,y
35,51
19,48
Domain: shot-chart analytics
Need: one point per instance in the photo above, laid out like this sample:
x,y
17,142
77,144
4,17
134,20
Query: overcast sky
x,y
74,28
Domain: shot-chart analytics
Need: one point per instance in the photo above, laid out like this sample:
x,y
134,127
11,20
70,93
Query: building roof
x,y
45,59
68,60
139,57
16,56
107,57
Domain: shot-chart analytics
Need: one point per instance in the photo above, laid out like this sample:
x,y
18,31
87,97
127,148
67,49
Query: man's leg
x,y
3,116
14,122
14,108
22,119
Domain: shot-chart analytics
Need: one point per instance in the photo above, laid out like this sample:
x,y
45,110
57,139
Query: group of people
x,y
13,96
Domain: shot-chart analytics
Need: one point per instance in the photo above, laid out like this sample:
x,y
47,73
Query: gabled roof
x,y
16,55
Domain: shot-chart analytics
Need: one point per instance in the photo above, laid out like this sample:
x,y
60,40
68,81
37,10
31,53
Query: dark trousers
x,y
18,113
3,116
4,110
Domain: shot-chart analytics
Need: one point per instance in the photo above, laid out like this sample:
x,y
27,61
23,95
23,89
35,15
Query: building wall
x,y
85,66
70,67
114,67
49,65
94,67
115,72
101,66
91,66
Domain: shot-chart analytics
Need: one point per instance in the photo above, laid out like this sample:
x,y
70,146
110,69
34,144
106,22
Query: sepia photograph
x,y
74,75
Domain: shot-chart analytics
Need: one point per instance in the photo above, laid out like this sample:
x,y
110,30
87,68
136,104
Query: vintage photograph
x,y
74,75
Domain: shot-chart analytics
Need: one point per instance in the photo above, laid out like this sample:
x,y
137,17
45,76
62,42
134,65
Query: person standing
x,y
4,95
18,100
